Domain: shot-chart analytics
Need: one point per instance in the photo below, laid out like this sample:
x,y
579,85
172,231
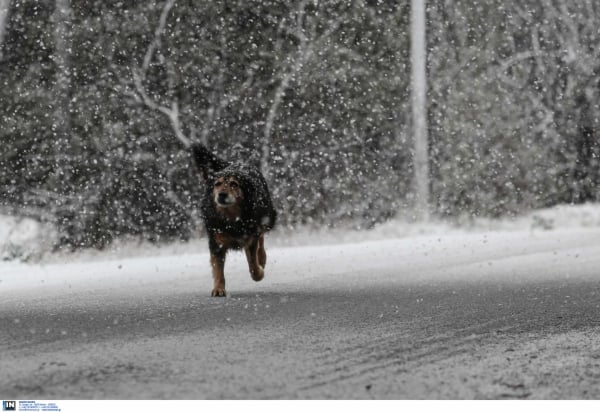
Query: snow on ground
x,y
439,312
24,238
295,254
296,264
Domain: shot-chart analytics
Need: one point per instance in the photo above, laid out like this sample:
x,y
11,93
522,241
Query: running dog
x,y
237,211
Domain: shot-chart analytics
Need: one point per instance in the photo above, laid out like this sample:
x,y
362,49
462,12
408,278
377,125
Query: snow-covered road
x,y
496,315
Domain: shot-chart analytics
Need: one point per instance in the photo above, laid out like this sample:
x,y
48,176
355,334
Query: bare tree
x,y
4,5
288,73
303,30
419,108
218,99
139,76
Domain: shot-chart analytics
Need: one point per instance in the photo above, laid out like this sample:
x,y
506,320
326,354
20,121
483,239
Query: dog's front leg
x,y
262,254
256,270
217,262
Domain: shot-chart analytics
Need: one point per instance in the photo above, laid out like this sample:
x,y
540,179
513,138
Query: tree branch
x,y
218,99
155,44
172,113
305,51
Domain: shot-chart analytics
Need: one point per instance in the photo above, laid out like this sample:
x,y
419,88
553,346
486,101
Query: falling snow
x,y
459,230
97,98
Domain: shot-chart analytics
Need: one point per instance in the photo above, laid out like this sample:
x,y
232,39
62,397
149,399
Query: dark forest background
x,y
96,98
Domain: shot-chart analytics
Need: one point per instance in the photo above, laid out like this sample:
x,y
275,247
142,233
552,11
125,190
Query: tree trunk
x,y
62,85
419,108
587,149
269,123
4,5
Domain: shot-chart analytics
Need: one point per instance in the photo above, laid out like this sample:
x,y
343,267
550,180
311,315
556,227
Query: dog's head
x,y
228,195
227,191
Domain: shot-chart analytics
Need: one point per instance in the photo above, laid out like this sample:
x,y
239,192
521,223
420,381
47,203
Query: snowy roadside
x,y
570,252
25,240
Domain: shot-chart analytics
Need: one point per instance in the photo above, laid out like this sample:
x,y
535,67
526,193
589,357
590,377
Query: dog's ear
x,y
207,163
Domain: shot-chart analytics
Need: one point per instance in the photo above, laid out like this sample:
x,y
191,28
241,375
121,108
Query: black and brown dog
x,y
237,211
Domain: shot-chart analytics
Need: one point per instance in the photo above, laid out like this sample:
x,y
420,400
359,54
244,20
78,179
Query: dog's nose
x,y
222,196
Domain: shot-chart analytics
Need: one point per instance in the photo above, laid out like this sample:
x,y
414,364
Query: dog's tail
x,y
207,162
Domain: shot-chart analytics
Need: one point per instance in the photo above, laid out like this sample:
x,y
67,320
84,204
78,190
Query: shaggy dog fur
x,y
237,211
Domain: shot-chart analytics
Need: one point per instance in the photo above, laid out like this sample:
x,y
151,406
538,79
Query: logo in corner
x,y
9,405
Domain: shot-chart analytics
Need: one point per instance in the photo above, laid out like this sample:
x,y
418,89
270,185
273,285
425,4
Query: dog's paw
x,y
218,292
257,274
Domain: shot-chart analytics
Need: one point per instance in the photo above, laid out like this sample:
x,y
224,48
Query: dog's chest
x,y
228,241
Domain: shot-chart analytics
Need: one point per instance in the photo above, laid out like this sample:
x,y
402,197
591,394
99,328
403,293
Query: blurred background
x,y
98,99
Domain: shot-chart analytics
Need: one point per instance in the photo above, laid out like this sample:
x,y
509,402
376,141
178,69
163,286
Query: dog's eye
x,y
218,183
233,185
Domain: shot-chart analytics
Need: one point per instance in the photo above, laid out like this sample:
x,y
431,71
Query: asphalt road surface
x,y
518,320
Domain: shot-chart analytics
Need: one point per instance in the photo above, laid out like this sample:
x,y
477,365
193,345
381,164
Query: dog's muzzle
x,y
224,199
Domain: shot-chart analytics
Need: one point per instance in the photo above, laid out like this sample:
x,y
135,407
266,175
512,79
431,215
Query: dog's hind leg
x,y
217,262
256,270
